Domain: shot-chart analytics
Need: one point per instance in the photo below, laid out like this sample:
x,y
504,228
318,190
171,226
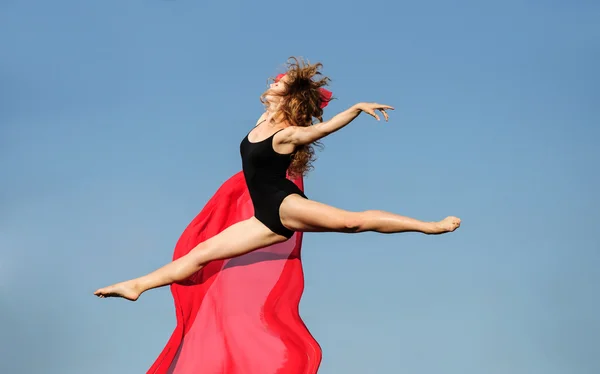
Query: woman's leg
x,y
236,240
300,214
297,214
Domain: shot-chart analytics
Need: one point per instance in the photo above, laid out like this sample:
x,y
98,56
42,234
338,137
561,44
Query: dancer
x,y
282,143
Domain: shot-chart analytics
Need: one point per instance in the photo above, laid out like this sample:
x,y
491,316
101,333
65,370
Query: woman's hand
x,y
370,109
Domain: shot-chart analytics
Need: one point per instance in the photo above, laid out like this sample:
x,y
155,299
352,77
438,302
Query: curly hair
x,y
301,106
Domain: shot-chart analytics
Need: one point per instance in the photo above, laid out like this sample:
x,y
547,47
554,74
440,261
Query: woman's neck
x,y
274,116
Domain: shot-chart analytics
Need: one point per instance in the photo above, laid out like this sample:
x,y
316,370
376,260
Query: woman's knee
x,y
354,222
360,221
205,252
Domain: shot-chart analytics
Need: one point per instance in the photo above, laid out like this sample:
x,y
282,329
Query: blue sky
x,y
118,120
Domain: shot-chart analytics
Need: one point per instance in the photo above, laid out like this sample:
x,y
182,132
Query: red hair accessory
x,y
325,94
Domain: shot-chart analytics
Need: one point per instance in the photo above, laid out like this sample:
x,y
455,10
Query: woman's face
x,y
277,90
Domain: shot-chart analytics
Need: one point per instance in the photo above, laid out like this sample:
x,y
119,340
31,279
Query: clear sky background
x,y
119,119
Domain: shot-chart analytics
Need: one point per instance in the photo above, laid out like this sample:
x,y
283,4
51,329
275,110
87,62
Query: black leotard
x,y
265,174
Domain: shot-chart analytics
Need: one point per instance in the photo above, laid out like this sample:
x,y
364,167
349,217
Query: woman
x,y
280,144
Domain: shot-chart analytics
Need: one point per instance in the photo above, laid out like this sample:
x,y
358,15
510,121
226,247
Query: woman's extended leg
x,y
236,240
300,214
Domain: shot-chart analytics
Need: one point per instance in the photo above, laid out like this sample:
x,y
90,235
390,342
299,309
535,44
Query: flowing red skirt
x,y
239,316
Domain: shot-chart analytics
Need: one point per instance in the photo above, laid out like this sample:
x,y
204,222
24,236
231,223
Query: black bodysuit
x,y
265,174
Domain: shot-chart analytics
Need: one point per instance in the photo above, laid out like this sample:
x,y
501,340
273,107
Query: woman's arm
x,y
297,135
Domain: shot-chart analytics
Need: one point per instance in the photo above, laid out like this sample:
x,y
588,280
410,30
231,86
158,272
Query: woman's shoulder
x,y
261,119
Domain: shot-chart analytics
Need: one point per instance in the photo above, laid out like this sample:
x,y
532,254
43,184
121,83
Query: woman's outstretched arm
x,y
304,135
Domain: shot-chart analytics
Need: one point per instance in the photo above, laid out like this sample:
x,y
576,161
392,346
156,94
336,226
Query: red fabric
x,y
239,316
325,93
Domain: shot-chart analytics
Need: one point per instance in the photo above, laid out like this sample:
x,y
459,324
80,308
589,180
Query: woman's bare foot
x,y
448,224
127,290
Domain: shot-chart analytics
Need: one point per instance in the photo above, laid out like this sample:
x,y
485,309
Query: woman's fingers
x,y
372,113
373,107
385,115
